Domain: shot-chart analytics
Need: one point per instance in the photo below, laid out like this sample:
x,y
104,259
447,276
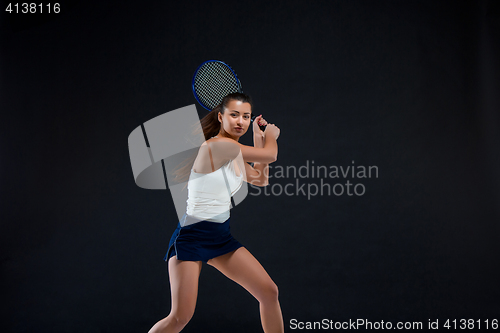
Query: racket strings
x,y
212,93
213,81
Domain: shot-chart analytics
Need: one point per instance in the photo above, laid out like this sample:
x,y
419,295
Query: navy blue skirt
x,y
201,241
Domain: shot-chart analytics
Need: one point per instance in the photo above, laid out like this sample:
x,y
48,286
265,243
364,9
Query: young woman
x,y
203,233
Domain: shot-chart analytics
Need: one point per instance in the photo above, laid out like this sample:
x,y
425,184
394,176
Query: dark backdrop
x,y
409,87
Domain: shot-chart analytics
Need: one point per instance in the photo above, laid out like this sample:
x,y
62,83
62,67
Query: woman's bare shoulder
x,y
223,147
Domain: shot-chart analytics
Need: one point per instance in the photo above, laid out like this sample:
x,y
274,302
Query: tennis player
x,y
203,233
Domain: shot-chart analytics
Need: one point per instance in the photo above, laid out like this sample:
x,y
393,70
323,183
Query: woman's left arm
x,y
258,175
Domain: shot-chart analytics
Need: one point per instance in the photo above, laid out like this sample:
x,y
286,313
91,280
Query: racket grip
x,y
261,127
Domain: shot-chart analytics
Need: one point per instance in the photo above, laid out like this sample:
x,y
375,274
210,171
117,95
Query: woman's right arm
x,y
267,154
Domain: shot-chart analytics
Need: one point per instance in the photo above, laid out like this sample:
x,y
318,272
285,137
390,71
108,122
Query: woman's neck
x,y
225,135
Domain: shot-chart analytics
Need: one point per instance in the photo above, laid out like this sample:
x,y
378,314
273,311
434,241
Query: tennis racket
x,y
212,81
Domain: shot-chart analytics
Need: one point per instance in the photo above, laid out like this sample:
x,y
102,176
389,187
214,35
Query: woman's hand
x,y
258,121
272,130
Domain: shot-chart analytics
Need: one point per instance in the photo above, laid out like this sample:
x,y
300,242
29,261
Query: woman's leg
x,y
242,267
184,277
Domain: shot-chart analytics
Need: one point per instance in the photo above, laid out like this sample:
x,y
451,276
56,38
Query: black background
x,y
411,87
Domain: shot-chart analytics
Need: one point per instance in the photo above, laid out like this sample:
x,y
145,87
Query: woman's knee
x,y
268,293
173,322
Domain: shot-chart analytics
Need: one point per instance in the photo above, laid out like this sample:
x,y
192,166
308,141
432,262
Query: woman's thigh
x,y
242,267
184,277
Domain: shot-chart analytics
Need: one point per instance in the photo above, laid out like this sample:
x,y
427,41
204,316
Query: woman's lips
x,y
238,128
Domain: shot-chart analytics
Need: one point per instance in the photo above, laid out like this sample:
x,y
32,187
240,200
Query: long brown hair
x,y
210,126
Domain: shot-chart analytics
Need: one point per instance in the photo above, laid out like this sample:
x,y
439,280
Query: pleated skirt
x,y
201,241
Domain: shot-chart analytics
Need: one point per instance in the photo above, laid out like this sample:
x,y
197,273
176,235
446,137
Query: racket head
x,y
212,81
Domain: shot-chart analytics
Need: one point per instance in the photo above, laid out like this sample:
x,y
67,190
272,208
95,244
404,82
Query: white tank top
x,y
209,194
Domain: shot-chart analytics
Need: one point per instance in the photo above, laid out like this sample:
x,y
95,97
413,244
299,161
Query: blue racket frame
x,y
240,89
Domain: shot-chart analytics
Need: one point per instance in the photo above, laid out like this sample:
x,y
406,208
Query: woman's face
x,y
236,118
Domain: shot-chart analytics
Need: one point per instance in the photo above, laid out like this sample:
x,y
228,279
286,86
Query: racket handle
x,y
261,127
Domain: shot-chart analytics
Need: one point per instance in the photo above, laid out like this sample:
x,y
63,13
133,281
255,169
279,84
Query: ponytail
x,y
210,123
210,126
